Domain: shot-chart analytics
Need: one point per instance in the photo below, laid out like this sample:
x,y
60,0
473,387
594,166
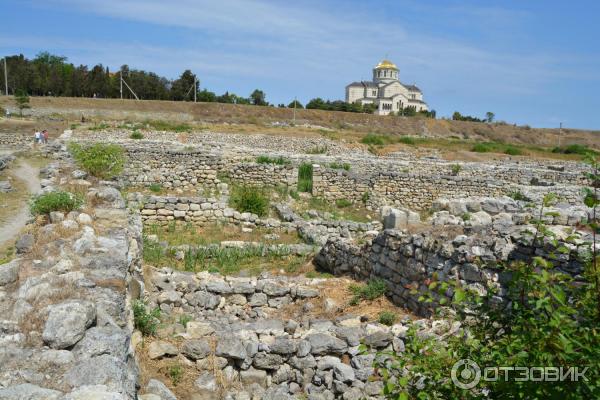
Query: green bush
x,y
342,203
407,140
294,194
155,187
249,199
375,140
512,151
365,197
481,148
336,165
575,149
136,135
517,195
456,168
184,319
466,216
169,126
55,201
145,321
305,177
104,161
268,160
387,318
374,289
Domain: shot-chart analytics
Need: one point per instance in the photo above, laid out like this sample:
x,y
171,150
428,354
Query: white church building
x,y
386,91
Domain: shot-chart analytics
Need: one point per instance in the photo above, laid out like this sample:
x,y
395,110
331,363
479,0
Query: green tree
x,y
489,116
22,100
295,103
183,88
258,98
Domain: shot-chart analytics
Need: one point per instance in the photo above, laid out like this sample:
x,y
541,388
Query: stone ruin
x,y
67,329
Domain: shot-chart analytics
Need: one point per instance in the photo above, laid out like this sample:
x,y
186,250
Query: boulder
x,y
25,243
160,349
67,323
231,348
400,219
321,343
9,273
196,349
28,391
158,388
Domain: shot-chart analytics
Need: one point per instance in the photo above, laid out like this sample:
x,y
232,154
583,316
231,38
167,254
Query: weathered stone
x,y
160,349
195,329
28,391
67,323
254,376
231,348
158,388
9,272
196,349
322,343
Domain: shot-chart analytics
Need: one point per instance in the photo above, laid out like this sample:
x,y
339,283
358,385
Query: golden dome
x,y
386,64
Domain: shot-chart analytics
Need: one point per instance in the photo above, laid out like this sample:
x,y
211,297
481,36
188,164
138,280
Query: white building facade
x,y
386,91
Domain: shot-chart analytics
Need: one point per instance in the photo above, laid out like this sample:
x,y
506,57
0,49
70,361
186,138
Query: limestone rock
x,y
67,323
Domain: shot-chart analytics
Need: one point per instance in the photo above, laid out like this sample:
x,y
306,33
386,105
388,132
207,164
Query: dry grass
x,y
254,119
337,289
178,234
159,369
13,201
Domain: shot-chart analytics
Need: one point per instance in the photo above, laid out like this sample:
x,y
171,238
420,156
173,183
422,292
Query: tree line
x,y
52,75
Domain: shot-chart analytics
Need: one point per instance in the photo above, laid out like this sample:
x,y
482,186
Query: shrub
x,y
145,321
456,168
407,140
512,151
336,165
574,149
155,187
175,373
481,148
305,177
317,150
374,289
517,195
372,139
365,197
294,194
466,216
249,199
184,319
136,135
387,318
268,160
101,160
55,201
342,203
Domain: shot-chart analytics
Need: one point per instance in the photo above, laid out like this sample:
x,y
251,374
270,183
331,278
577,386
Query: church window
x,y
374,92
385,73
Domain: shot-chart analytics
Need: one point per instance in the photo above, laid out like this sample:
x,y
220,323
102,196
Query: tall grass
x,y
305,178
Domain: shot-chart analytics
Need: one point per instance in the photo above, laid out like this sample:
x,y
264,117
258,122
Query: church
x,y
386,91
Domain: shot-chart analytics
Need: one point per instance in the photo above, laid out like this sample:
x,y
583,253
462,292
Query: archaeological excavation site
x,y
165,261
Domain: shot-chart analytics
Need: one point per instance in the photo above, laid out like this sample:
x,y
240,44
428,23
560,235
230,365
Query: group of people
x,y
41,136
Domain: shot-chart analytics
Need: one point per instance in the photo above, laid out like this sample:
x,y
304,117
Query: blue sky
x,y
533,62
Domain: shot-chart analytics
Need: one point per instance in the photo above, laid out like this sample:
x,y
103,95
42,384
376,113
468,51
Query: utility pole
x,y
295,102
559,133
195,89
5,77
121,82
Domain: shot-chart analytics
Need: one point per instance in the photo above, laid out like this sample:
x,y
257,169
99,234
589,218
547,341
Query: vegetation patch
x,y
168,126
317,150
336,165
374,289
579,149
104,161
387,318
136,135
55,201
272,160
305,177
144,320
249,199
375,140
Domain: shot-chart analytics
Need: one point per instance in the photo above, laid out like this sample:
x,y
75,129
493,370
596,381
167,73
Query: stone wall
x,y
410,262
260,175
65,303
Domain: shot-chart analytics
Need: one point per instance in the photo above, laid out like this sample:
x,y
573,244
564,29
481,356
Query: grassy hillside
x,y
264,116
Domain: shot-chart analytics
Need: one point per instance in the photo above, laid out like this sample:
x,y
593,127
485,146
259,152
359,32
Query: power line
x,y
5,77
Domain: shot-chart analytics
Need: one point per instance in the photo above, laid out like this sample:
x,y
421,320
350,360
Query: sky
x,y
534,62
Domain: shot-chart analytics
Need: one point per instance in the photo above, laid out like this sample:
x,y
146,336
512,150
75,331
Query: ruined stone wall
x,y
17,141
260,175
410,262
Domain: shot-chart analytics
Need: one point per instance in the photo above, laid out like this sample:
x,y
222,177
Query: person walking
x,y
37,137
45,136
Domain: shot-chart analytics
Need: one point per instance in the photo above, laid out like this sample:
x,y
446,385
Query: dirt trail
x,y
29,175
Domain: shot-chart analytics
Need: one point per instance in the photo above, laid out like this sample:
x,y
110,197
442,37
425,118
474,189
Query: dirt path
x,y
30,175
